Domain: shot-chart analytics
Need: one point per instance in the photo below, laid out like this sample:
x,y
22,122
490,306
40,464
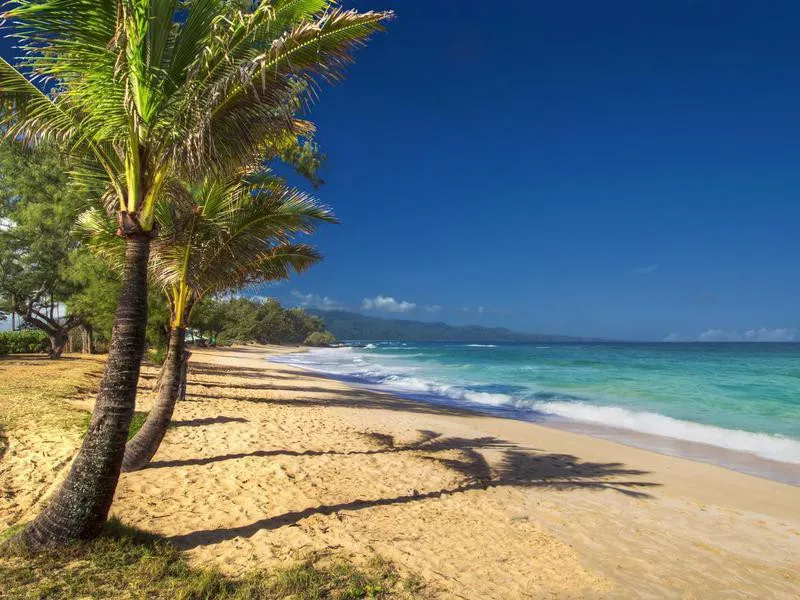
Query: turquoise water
x,y
743,397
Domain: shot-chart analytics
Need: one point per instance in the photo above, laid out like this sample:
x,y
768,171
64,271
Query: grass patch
x,y
34,390
127,563
136,423
139,417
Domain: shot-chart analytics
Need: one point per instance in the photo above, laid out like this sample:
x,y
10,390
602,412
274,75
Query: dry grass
x,y
34,389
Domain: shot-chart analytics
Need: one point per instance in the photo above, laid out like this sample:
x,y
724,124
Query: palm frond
x,y
173,90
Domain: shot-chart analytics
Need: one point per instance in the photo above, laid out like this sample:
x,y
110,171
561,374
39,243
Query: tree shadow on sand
x,y
328,398
201,368
207,421
516,467
428,442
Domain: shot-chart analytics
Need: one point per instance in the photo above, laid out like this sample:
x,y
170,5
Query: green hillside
x,y
355,326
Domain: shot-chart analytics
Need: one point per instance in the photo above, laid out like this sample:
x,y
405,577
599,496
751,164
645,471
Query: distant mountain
x,y
355,326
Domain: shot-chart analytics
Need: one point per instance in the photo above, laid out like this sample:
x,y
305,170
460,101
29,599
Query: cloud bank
x,y
763,334
316,301
388,304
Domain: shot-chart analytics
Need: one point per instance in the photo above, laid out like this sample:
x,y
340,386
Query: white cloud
x,y
388,304
433,308
481,310
645,269
239,295
316,301
781,334
720,335
672,337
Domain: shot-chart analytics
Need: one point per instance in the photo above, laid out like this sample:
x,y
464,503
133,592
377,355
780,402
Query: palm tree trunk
x,y
80,508
141,449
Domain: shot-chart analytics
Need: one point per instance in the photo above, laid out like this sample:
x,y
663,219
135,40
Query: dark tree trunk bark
x,y
144,445
58,341
80,508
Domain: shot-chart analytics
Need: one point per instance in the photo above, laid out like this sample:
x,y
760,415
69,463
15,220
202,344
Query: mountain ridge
x,y
346,325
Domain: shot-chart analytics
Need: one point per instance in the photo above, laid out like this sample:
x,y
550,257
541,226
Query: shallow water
x,y
743,398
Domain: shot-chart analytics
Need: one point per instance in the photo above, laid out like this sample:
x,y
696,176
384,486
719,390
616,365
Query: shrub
x,y
320,338
25,341
157,355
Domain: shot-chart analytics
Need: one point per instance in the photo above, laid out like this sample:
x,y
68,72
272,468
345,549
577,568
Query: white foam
x,y
774,447
481,345
416,385
408,380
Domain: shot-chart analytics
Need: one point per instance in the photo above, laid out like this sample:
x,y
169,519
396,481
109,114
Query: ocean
x,y
737,405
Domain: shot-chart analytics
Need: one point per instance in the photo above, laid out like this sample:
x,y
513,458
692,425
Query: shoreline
x,y
733,460
267,463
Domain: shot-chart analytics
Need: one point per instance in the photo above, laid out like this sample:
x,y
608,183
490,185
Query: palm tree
x,y
217,237
147,92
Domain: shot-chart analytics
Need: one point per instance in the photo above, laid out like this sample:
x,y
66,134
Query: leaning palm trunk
x,y
80,507
141,449
143,94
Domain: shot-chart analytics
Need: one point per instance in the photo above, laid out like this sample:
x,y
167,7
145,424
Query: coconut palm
x,y
147,91
218,237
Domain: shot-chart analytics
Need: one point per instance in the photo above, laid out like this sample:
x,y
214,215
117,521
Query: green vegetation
x,y
21,342
320,338
127,563
48,278
136,423
139,417
38,208
354,326
242,320
36,392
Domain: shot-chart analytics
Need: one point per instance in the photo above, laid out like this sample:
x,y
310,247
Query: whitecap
x,y
774,447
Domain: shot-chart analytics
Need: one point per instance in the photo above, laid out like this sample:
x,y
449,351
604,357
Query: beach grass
x,y
138,419
36,391
127,563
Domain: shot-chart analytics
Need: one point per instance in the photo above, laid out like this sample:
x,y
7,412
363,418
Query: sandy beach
x,y
267,464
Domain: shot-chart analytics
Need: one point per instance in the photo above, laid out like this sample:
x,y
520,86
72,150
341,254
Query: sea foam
x,y
412,379
773,447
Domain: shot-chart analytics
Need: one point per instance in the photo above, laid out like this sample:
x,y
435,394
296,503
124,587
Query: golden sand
x,y
267,464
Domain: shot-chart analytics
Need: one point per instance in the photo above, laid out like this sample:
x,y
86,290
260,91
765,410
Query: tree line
x,y
155,125
52,281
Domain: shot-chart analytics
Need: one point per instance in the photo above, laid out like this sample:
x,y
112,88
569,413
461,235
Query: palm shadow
x,y
201,368
517,468
207,421
428,442
352,398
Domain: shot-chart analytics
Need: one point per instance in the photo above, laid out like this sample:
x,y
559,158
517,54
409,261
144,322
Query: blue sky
x,y
617,169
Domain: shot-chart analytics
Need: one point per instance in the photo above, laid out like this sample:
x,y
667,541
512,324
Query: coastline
x,y
735,460
270,462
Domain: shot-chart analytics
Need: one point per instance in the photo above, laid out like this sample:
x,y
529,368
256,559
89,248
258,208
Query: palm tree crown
x,y
152,89
218,236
